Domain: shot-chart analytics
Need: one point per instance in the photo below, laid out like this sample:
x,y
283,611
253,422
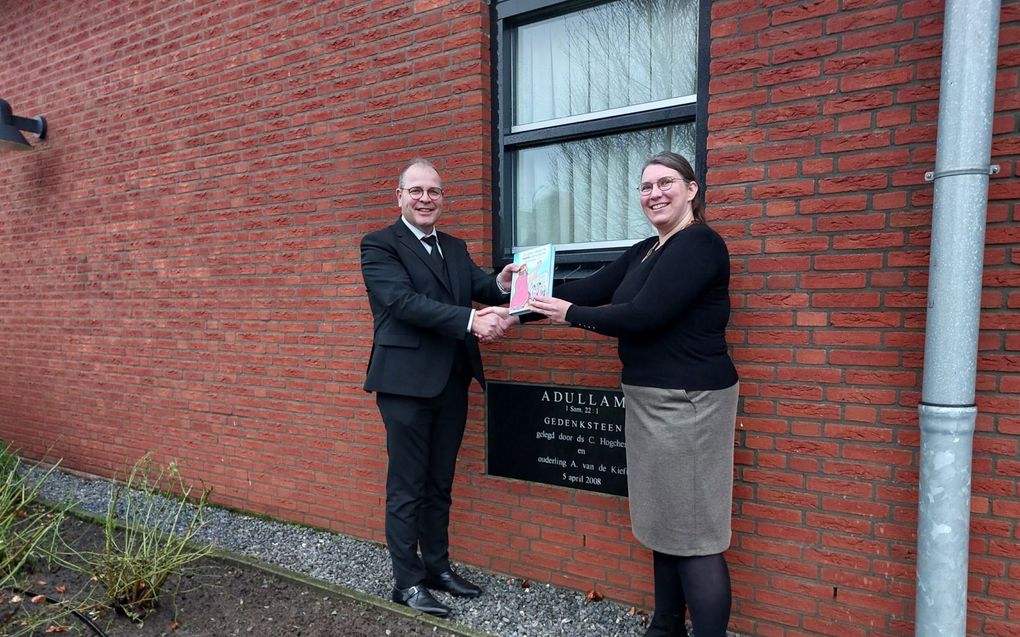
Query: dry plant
x,y
27,530
149,535
24,530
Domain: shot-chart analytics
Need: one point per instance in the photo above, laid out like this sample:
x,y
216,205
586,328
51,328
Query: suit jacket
x,y
420,316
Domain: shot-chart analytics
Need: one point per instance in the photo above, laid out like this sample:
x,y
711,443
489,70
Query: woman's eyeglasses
x,y
664,184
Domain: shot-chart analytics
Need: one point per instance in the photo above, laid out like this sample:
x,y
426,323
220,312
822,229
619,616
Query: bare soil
x,y
217,598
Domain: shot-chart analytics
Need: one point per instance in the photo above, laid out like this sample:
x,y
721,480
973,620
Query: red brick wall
x,y
822,125
179,274
180,266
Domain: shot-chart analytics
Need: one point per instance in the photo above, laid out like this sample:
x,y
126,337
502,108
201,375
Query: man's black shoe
x,y
419,598
453,584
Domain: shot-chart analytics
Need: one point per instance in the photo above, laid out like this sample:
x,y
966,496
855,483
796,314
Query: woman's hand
x,y
554,308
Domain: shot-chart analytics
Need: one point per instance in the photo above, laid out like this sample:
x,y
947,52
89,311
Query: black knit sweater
x,y
669,310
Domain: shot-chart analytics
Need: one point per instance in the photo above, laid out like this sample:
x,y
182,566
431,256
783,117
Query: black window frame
x,y
507,15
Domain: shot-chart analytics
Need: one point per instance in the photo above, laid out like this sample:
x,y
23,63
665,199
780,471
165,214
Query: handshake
x,y
491,323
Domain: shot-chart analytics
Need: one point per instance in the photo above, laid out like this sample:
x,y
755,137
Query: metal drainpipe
x,y
947,409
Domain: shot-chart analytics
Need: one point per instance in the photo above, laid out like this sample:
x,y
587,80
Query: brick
x,y
841,203
865,161
872,181
789,188
771,152
737,101
858,102
778,170
858,60
786,113
732,83
852,20
733,45
917,92
897,32
803,90
805,50
788,73
875,79
737,138
847,299
773,228
737,63
800,130
804,11
730,120
753,23
869,240
738,175
861,121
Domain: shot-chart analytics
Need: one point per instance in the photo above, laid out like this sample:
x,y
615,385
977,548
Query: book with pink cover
x,y
535,276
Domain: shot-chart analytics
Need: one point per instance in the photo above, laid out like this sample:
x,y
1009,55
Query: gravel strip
x,y
504,610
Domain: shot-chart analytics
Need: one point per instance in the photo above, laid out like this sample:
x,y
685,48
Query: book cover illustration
x,y
533,278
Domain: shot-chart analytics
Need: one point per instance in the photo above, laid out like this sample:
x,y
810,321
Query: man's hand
x,y
554,308
491,323
505,276
504,312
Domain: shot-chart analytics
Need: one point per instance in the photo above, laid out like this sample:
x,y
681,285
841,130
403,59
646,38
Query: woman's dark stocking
x,y
700,583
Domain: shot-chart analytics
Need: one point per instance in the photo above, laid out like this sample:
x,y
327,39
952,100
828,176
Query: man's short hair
x,y
417,161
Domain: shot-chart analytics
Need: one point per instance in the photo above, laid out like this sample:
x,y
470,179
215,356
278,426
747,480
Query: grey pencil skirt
x,y
680,467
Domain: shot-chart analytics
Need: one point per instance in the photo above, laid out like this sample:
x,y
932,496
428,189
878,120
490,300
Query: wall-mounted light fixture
x,y
11,125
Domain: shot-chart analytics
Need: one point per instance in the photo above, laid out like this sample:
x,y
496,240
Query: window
x,y
587,91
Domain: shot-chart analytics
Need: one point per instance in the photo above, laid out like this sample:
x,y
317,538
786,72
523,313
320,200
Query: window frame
x,y
507,15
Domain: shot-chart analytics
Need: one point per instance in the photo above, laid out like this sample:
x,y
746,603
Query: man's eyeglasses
x,y
664,184
417,192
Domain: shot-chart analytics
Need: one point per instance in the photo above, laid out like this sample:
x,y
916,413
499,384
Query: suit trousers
x,y
423,437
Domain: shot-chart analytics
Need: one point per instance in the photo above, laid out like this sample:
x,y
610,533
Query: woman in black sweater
x,y
667,301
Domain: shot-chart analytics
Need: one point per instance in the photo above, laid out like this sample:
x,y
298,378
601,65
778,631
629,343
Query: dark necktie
x,y
436,256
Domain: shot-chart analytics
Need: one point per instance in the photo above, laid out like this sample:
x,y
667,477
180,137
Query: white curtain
x,y
622,54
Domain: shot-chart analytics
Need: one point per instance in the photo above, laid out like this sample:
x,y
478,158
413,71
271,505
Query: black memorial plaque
x,y
564,436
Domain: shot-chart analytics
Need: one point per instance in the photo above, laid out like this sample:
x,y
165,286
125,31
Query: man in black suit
x,y
424,354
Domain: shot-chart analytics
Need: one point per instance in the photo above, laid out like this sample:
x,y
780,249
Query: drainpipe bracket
x,y
931,175
925,404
